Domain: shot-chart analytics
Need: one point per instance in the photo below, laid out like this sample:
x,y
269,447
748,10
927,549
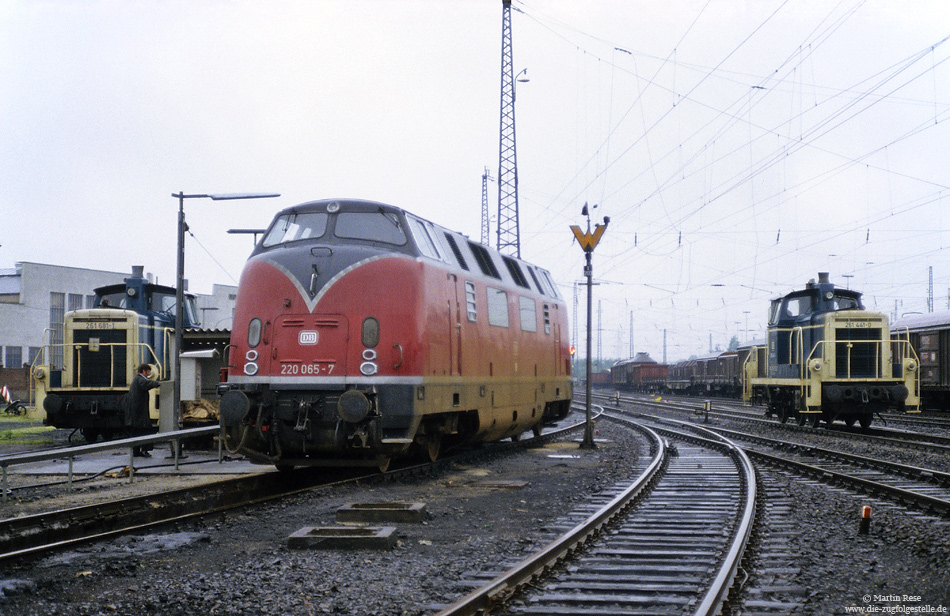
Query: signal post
x,y
588,242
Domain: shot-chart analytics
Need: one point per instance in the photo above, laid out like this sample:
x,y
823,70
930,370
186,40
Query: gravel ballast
x,y
240,563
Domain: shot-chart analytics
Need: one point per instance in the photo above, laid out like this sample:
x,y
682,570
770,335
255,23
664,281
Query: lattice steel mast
x,y
485,178
509,240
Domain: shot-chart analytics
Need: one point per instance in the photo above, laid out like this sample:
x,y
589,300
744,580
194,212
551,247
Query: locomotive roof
x,y
822,287
477,258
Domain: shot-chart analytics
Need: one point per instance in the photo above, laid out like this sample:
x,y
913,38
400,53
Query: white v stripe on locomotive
x,y
311,302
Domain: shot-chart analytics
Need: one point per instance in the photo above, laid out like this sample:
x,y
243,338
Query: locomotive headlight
x,y
250,368
370,332
254,332
816,365
39,373
911,366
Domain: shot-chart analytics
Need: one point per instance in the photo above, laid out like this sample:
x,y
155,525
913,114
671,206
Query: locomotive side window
x,y
534,277
470,303
456,251
775,312
484,260
373,226
529,314
293,227
424,238
552,289
497,307
515,270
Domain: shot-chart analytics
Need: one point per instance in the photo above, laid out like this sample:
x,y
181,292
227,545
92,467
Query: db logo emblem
x,y
308,337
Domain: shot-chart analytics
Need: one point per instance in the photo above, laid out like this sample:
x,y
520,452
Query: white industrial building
x,y
34,297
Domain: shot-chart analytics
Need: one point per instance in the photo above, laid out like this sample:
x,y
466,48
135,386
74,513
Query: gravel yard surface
x,y
479,521
239,563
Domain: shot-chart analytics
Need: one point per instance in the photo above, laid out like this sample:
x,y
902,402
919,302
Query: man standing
x,y
136,417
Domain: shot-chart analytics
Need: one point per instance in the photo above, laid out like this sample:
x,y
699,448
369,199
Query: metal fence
x,y
71,453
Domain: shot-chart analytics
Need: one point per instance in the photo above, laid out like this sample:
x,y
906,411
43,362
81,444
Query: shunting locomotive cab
x,y
827,358
91,369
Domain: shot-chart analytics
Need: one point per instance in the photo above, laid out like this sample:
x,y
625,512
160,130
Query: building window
x,y
75,301
34,353
13,357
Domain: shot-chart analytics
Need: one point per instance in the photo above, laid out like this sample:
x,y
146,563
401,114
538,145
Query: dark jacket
x,y
136,409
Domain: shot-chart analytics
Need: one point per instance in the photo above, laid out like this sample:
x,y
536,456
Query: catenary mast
x,y
509,241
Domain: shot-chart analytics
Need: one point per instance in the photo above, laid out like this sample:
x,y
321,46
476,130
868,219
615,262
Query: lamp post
x,y
180,285
588,242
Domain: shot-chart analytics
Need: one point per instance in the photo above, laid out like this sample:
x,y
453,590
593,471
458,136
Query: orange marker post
x,y
865,526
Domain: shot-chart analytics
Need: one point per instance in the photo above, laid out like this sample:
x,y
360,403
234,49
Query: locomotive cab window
x,y
372,226
295,226
845,303
798,306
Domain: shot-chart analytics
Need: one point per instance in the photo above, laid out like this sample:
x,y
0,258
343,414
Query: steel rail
x,y
899,494
928,503
483,599
913,472
26,536
718,591
900,438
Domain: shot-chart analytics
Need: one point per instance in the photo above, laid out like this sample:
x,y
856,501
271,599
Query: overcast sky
x,y
739,148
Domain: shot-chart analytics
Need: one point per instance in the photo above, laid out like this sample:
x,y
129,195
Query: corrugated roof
x,y
922,321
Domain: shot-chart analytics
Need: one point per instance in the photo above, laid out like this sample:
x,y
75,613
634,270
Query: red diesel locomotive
x,y
362,332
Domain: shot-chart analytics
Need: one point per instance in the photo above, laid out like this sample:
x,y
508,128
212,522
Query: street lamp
x,y
180,287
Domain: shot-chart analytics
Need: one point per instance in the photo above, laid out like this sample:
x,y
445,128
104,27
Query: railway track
x,y
927,489
50,531
933,443
669,542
